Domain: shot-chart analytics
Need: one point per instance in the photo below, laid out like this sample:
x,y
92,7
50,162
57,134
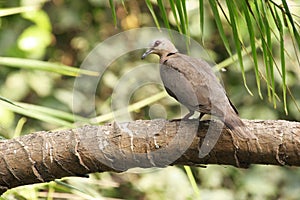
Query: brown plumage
x,y
192,82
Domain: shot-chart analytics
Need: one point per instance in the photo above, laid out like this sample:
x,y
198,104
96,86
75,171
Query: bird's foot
x,y
187,116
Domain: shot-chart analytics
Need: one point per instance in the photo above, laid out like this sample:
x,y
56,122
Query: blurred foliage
x,y
47,36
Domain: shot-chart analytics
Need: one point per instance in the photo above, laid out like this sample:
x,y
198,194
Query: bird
x,y
193,83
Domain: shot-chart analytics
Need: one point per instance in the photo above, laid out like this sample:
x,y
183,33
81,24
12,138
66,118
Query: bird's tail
x,y
236,125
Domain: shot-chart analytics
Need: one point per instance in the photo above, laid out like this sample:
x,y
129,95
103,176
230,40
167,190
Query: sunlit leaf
x,y
17,10
7,101
130,108
40,18
70,117
45,66
34,41
192,180
19,127
36,115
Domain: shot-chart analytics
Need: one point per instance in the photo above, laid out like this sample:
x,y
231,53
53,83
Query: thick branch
x,y
44,156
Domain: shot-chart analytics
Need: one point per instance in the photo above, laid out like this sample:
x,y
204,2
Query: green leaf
x,y
282,58
45,66
230,60
53,112
149,5
179,7
185,16
174,11
192,180
36,115
270,62
269,54
17,10
34,40
201,15
219,24
246,8
288,13
233,15
19,127
113,11
7,101
261,28
130,108
124,6
164,14
40,18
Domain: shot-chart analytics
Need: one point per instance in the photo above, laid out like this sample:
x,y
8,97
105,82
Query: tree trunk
x,y
45,156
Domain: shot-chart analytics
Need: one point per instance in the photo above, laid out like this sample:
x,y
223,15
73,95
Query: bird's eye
x,y
157,42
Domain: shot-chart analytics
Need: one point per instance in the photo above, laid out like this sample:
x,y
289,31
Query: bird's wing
x,y
232,106
193,83
220,97
179,78
215,84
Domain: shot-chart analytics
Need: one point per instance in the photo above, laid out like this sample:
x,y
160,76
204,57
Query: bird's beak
x,y
149,51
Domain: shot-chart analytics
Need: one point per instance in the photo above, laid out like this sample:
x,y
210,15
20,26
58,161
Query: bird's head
x,y
160,47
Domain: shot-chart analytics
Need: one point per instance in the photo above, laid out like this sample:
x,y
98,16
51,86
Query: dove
x,y
192,82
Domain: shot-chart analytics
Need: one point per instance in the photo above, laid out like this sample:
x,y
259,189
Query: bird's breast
x,y
178,85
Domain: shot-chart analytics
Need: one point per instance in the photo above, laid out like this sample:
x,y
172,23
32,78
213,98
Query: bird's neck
x,y
165,56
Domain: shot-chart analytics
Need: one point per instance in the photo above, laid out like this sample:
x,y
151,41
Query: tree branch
x,y
45,156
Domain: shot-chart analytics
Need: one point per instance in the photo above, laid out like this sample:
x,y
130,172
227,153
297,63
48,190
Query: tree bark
x,y
45,156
